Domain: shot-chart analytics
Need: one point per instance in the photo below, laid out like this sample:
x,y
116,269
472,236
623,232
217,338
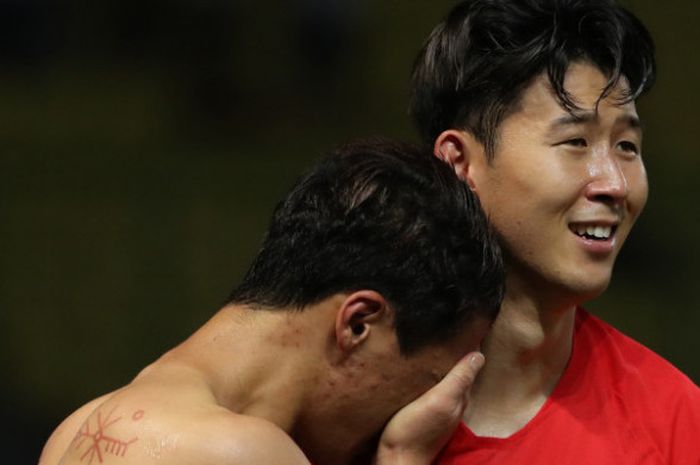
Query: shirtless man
x,y
377,276
532,104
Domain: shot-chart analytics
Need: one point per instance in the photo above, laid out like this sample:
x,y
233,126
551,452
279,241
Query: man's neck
x,y
254,361
527,352
267,364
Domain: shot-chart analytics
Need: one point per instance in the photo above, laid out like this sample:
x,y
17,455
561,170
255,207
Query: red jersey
x,y
617,403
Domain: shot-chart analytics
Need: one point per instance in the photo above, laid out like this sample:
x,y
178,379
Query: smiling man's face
x,y
562,190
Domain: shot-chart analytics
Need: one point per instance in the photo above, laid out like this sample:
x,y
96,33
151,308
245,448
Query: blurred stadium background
x,y
143,146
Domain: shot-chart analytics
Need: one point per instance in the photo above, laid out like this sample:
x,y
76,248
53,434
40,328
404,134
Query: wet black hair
x,y
388,217
476,63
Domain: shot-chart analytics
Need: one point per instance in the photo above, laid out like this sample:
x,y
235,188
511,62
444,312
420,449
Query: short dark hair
x,y
389,217
475,65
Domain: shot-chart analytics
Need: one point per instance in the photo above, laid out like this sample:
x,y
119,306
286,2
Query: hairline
x,y
491,141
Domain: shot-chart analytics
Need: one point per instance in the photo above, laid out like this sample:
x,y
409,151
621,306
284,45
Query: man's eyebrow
x,y
632,121
571,119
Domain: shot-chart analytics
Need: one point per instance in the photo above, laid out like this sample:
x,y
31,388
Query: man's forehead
x,y
586,87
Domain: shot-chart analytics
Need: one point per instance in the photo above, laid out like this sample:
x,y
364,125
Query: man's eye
x,y
577,142
628,146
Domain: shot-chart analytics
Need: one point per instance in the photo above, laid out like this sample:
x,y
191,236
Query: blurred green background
x,y
143,146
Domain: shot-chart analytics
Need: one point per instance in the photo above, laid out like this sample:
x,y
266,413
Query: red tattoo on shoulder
x,y
94,433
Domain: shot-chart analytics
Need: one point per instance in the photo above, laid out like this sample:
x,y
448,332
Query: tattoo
x,y
99,442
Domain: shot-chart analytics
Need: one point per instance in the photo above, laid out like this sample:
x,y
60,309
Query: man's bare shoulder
x,y
127,435
138,426
238,439
65,432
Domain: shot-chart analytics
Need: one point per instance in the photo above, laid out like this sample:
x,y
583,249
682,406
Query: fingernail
x,y
476,361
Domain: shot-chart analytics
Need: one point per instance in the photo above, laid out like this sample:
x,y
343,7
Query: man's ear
x,y
357,315
462,152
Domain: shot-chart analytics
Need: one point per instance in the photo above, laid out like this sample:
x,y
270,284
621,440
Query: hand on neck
x,y
527,350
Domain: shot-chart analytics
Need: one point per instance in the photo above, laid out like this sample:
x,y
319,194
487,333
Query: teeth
x,y
603,231
599,232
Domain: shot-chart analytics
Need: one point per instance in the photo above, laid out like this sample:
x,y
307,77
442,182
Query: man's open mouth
x,y
592,231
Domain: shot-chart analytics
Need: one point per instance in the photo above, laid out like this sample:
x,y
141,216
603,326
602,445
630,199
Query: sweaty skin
x,y
257,387
180,424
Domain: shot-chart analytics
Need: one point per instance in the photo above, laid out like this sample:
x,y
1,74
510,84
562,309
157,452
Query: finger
x,y
458,381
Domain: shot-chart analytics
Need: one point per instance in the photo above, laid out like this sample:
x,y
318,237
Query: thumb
x,y
456,384
444,403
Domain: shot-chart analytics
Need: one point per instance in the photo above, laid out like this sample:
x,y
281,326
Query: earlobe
x,y
356,317
459,149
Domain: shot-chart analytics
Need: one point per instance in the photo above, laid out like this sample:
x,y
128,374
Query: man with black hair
x,y
532,104
378,275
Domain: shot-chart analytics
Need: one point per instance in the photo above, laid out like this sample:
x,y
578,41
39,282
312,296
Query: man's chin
x,y
583,292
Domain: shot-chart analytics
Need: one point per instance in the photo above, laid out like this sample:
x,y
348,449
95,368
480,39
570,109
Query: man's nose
x,y
607,179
